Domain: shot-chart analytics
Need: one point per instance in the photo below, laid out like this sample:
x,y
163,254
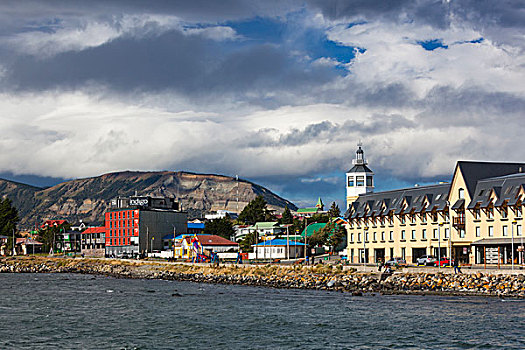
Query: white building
x,y
277,249
359,179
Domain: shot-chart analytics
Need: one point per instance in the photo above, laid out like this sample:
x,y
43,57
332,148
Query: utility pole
x,y
512,245
237,179
305,234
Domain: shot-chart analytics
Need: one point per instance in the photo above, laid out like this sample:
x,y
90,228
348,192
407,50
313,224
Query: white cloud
x,y
218,33
393,54
81,34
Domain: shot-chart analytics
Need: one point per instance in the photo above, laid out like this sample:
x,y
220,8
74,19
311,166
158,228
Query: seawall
x,y
320,277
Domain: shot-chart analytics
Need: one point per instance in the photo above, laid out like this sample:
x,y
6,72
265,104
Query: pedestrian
x,y
456,266
379,264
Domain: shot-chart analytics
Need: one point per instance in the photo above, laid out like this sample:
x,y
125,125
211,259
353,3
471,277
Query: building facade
x,y
136,225
476,219
93,241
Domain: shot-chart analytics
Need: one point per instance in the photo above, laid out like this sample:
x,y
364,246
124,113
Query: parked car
x,y
443,262
396,262
426,260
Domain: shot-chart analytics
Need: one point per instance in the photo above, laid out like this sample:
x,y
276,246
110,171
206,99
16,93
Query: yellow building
x,y
477,218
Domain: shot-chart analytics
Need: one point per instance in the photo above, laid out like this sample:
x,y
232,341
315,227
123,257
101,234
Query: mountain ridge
x,y
86,198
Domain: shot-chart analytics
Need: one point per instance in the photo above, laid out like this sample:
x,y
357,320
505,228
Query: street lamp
x,y
439,246
512,242
364,246
449,232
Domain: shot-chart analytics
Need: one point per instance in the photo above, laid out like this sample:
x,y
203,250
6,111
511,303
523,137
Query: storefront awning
x,y
496,241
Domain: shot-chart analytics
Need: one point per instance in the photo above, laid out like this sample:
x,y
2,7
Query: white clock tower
x,y
359,179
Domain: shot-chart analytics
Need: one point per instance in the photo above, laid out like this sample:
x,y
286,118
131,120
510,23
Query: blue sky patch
x,y
431,45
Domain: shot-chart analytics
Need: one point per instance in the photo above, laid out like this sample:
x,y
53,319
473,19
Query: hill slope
x,y
86,199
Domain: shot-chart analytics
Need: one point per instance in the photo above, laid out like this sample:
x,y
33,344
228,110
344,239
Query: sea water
x,y
69,311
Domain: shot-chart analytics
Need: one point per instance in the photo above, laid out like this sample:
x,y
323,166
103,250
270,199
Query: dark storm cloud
x,y
201,10
469,106
187,64
509,13
326,131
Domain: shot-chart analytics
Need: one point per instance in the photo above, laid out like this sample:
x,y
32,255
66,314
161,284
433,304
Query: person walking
x,y
457,269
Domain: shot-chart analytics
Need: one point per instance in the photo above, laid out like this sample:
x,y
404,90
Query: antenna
x,y
360,143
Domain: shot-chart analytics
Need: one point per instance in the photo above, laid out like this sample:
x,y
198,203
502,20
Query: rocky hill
x,y
86,199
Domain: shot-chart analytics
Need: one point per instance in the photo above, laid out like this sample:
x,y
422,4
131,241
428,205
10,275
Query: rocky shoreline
x,y
320,277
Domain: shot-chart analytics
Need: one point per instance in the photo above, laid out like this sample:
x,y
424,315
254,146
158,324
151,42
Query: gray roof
x,y
506,189
475,171
360,168
414,199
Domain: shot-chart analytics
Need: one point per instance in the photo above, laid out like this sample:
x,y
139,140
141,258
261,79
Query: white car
x,y
426,260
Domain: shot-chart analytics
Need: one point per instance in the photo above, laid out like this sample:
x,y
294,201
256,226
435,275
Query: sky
x,y
277,92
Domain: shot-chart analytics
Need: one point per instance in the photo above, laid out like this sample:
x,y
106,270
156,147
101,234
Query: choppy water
x,y
59,311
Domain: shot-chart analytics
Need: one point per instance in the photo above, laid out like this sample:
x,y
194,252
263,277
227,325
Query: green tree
x,y
8,217
334,211
287,217
319,217
337,238
246,243
221,227
256,211
52,236
8,221
318,238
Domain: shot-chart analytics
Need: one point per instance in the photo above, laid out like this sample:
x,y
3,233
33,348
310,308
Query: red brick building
x,y
136,225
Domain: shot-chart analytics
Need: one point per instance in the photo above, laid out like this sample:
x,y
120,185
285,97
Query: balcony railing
x,y
458,221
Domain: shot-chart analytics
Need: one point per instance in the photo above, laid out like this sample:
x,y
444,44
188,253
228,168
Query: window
x,y
504,213
424,234
480,193
350,181
391,235
383,235
359,237
369,181
476,213
490,213
413,234
447,233
351,237
403,253
423,217
366,237
491,231
435,233
478,231
402,234
518,230
375,237
402,219
360,181
461,193
461,233
504,230
518,212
